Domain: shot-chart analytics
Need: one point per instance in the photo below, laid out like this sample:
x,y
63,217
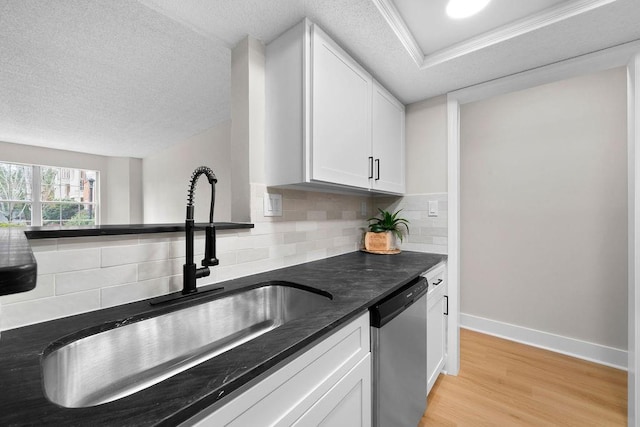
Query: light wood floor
x,y
503,383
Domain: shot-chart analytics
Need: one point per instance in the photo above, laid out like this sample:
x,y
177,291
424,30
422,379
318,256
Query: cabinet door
x,y
341,115
348,403
387,141
296,388
436,338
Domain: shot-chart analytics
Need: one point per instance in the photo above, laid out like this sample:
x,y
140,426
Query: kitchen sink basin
x,y
112,364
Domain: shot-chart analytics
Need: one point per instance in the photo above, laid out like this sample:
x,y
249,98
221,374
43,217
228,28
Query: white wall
x,y
166,178
633,321
426,139
544,207
426,163
248,124
125,178
113,186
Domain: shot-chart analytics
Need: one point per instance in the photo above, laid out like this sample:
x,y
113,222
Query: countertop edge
x,y
123,229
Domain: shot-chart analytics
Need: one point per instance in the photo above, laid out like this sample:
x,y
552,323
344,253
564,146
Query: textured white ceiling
x,y
127,78
232,20
106,77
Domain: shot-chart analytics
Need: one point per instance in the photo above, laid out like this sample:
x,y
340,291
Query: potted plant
x,y
383,231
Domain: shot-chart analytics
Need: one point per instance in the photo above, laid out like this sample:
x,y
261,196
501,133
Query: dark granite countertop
x,y
18,268
356,280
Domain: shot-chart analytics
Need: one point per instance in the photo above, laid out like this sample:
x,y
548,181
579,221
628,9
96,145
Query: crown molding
x,y
517,28
391,14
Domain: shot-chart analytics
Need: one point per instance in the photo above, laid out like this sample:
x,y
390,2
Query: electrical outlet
x,y
272,204
364,210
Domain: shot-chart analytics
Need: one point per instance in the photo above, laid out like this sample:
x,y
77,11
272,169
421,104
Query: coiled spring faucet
x,y
190,270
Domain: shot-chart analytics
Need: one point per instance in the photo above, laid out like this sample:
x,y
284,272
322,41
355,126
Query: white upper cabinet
x,y
341,115
387,142
329,124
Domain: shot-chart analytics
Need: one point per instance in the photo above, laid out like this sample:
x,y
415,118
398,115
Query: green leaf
x,y
389,222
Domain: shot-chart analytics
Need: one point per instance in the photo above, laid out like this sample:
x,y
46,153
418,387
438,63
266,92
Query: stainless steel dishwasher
x,y
399,352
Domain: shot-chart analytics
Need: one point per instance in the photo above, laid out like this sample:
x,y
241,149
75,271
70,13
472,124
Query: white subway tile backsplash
x,y
43,245
443,241
317,215
60,261
427,234
343,249
239,270
280,251
349,215
72,243
249,255
265,228
228,258
176,282
154,269
116,295
433,231
44,288
158,238
78,281
118,255
342,241
307,246
43,309
289,215
316,255
178,246
295,237
82,274
423,247
305,226
324,234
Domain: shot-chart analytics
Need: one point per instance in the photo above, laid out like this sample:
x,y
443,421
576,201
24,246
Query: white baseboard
x,y
597,353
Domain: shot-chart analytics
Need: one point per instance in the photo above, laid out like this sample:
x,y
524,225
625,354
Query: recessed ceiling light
x,y
458,9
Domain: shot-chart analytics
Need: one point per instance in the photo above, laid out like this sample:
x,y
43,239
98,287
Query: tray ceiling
x,y
433,30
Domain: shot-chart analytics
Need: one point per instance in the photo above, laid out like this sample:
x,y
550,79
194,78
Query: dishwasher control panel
x,y
387,309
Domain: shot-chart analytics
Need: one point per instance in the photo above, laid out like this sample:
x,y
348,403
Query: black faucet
x,y
191,272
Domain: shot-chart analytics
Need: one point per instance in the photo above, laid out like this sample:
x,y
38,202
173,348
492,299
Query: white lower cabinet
x,y
436,329
348,403
328,385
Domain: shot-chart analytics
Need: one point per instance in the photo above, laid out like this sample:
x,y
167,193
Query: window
x,y
47,196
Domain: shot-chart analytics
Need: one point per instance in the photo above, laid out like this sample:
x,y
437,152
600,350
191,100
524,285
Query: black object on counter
x,y
18,269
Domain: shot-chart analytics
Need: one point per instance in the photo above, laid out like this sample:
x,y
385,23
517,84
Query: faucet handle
x,y
210,247
210,262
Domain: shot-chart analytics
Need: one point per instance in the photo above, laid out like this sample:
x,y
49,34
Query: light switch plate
x,y
363,209
433,208
272,204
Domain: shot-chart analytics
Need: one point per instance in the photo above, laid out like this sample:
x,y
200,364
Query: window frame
x,y
36,195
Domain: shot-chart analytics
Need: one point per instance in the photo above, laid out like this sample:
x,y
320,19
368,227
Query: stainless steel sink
x,y
118,362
